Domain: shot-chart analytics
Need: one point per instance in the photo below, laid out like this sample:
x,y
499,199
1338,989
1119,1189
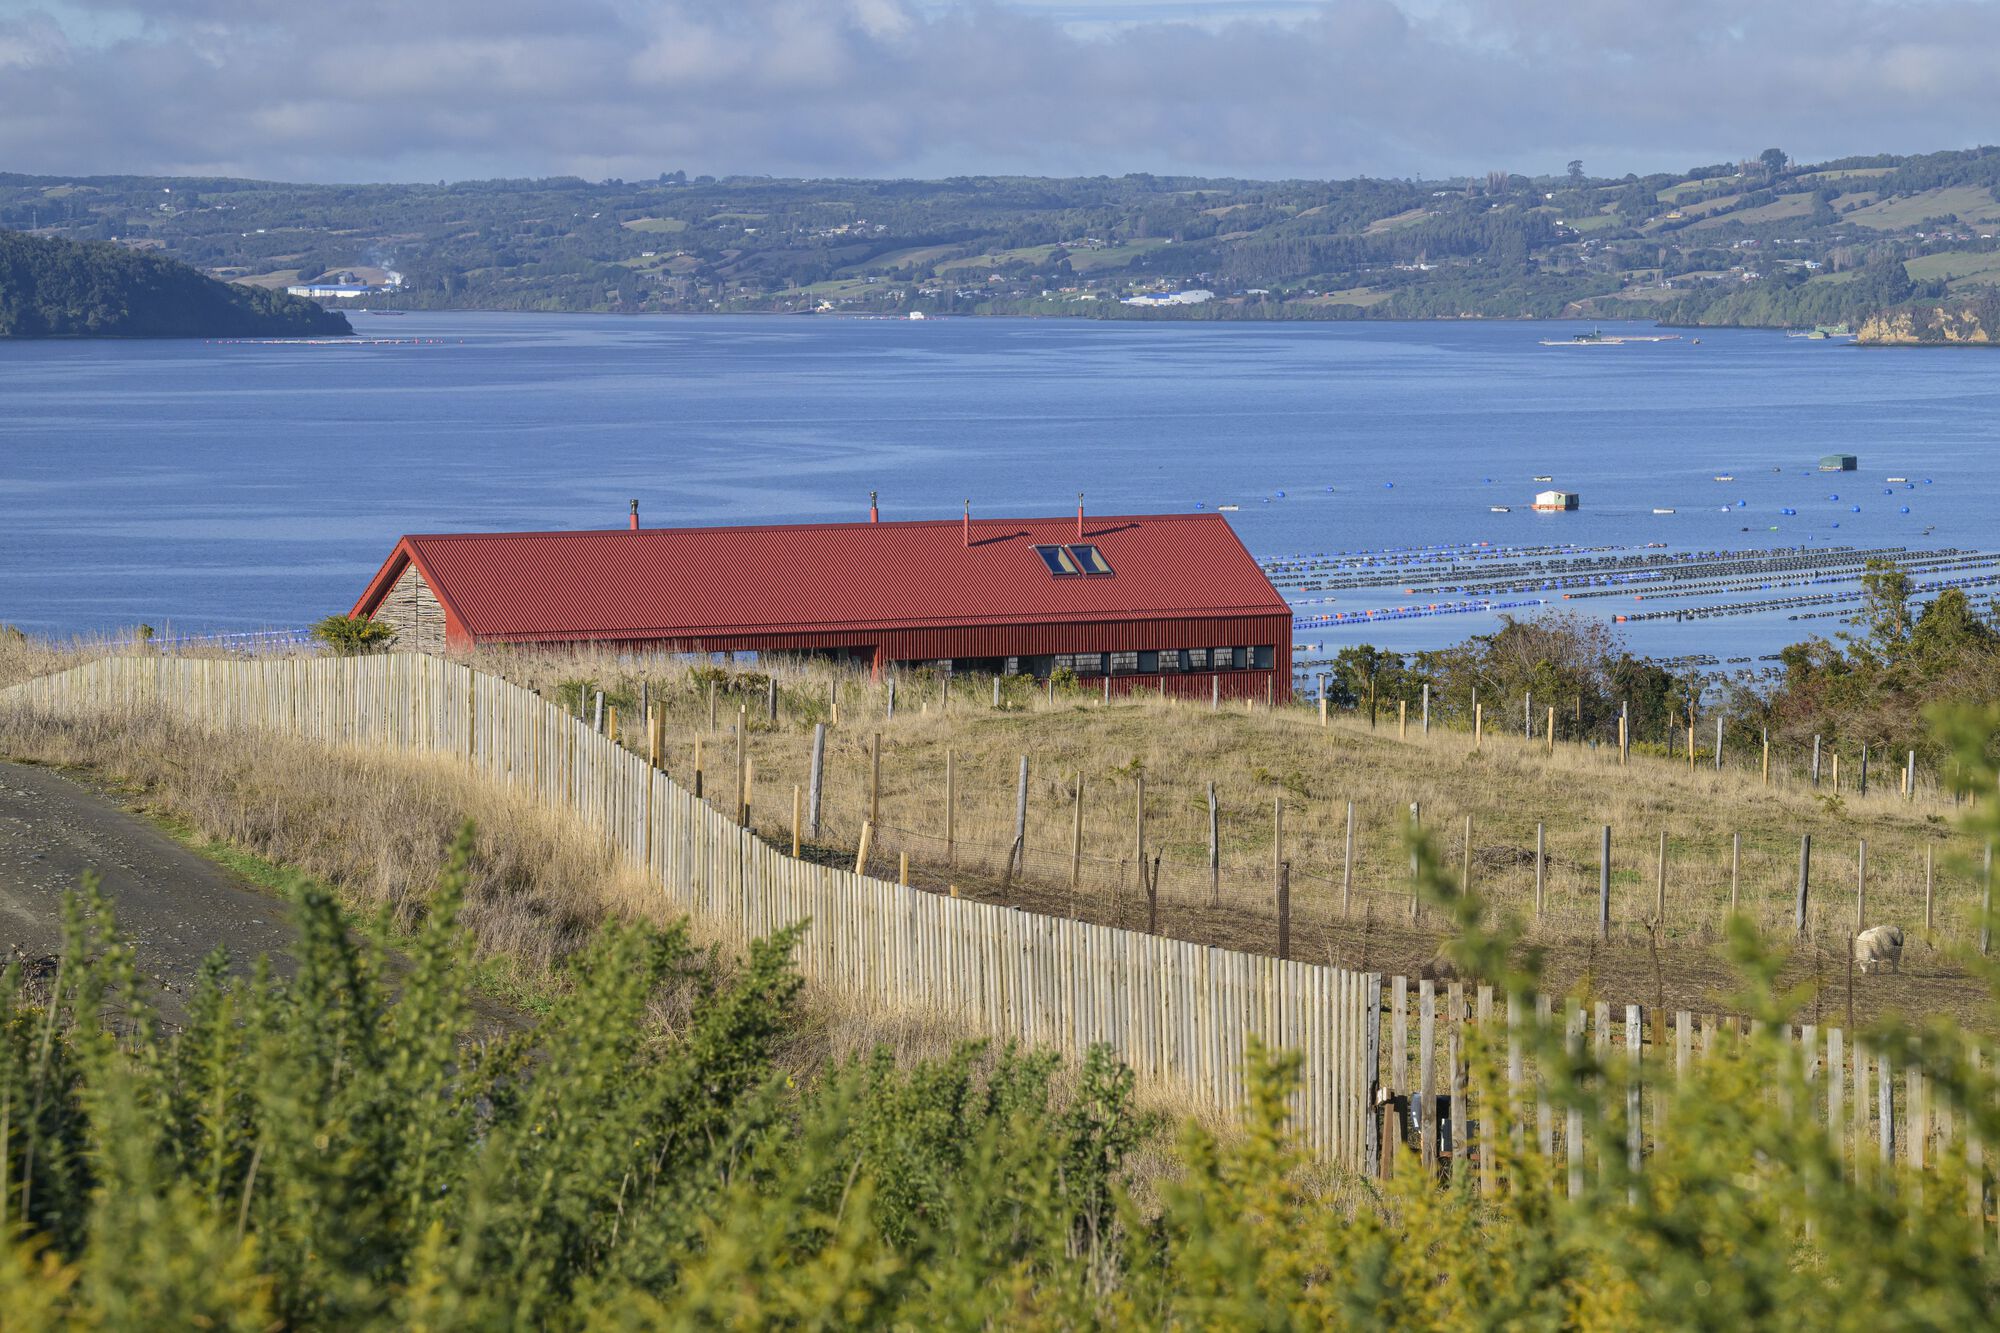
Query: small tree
x,y
353,636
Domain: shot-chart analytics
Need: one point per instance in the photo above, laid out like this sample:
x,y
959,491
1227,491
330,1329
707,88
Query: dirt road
x,y
175,905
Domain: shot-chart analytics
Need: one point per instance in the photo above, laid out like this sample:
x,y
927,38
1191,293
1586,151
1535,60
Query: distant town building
x,y
1193,296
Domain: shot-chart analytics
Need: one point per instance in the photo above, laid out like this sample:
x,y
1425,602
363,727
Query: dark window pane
x,y
1239,658
1149,664
1266,656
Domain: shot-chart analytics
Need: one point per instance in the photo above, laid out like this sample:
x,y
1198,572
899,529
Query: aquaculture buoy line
x,y
1844,598
333,342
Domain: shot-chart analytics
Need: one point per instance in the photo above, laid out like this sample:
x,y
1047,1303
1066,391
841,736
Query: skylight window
x,y
1091,559
1060,562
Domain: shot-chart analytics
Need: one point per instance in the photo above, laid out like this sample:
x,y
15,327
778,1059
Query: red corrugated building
x,y
1150,599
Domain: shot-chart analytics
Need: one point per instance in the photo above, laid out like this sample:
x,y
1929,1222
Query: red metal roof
x,y
672,583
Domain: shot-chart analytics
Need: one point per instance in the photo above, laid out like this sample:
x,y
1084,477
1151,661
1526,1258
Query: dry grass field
x,y
1273,767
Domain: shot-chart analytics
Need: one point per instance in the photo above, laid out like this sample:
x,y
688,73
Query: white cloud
x,y
377,89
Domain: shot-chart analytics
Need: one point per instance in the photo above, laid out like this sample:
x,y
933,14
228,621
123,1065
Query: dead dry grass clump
x,y
375,825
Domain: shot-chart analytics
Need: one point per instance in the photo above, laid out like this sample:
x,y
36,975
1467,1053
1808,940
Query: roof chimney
x,y
1079,515
635,516
874,514
968,522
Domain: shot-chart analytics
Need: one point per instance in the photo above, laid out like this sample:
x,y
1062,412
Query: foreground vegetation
x,y
337,1151
54,288
1761,241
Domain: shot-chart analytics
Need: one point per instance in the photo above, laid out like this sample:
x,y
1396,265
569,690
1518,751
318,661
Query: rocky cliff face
x,y
1974,323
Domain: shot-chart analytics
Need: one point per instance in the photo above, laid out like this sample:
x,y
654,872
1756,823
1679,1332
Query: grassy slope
x,y
1258,759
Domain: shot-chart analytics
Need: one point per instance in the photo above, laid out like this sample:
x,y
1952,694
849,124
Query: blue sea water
x,y
252,485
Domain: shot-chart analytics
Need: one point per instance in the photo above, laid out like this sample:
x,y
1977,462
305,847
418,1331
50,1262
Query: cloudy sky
x,y
351,90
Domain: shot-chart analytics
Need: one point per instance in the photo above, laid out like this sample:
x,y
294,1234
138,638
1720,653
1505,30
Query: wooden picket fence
x,y
1384,1061
1180,1014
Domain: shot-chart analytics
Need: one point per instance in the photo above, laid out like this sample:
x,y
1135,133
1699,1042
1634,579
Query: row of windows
x,y
1165,661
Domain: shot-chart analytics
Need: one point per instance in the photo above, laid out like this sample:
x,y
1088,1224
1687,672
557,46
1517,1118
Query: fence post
x,y
1624,737
699,776
1634,1130
1076,840
597,714
1284,910
1214,849
1604,884
1427,708
1402,719
861,851
1018,862
1718,744
771,682
1735,869
742,753
1861,886
1930,886
1805,883
1551,736
1767,756
1863,789
1427,1136
1416,825
890,707
1660,900
832,702
818,770
951,805
1541,865
1214,692
1139,825
1478,724
875,777
1347,868
1465,875
1815,760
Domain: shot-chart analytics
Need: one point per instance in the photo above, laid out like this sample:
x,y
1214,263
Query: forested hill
x,y
1761,241
53,288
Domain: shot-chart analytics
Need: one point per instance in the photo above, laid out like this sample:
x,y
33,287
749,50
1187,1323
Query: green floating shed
x,y
1839,463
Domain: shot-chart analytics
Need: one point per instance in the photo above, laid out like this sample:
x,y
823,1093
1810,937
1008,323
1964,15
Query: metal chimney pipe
x,y
874,514
635,516
968,522
1079,515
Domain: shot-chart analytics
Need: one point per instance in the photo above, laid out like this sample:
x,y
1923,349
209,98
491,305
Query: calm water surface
x,y
223,487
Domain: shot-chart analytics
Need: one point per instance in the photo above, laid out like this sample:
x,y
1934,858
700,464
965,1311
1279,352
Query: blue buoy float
x,y
1905,509
1854,509
1388,485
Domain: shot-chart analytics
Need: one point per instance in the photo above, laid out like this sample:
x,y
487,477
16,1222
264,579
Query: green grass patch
x,y
655,224
1957,267
1970,203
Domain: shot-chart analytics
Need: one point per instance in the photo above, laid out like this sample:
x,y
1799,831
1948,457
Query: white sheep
x,y
1879,947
